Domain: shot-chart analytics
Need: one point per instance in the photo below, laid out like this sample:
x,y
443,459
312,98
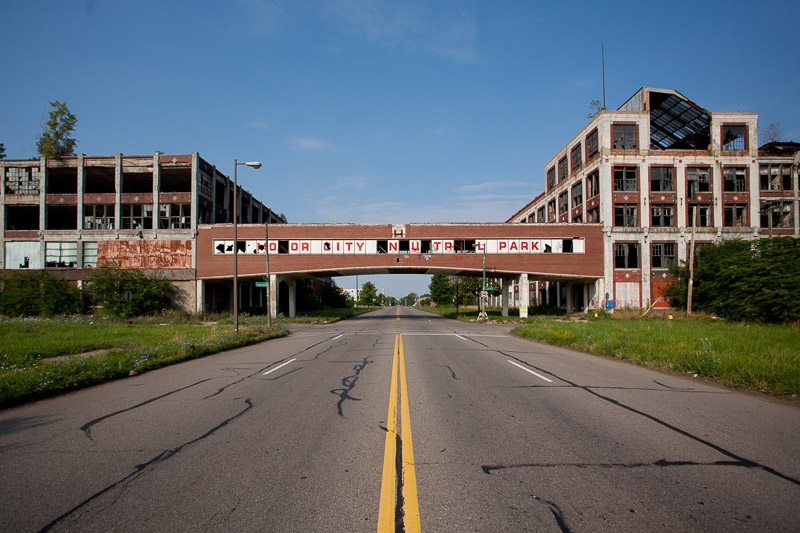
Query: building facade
x,y
657,173
70,214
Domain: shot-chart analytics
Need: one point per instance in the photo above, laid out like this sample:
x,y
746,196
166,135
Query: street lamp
x,y
253,164
482,315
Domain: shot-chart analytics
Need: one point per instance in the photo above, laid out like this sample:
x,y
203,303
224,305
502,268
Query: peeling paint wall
x,y
146,254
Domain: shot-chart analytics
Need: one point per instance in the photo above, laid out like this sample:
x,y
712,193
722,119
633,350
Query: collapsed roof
x,y
676,123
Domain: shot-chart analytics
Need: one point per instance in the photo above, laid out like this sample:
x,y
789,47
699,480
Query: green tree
x,y
55,140
39,294
150,295
442,290
595,107
411,298
469,290
743,280
2,151
368,294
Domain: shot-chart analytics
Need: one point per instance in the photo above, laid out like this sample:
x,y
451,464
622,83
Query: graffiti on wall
x,y
146,254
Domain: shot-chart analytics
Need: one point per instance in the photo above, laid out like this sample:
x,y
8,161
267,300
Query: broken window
x,y
576,158
577,219
626,179
61,254
663,216
179,179
777,214
540,215
624,136
663,255
137,179
99,216
174,216
551,178
137,216
735,215
626,255
592,145
62,180
98,179
662,179
593,184
566,246
734,137
205,185
593,215
61,217
703,214
562,169
577,194
625,215
22,217
563,202
551,210
22,180
698,179
735,179
531,219
776,177
89,254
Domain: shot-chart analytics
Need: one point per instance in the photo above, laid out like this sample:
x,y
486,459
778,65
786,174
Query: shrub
x,y
150,294
744,280
39,293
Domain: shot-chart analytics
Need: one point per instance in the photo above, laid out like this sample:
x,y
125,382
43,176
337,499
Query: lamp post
x,y
253,164
269,282
482,315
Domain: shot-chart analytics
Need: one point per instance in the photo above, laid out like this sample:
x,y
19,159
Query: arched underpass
x,y
517,254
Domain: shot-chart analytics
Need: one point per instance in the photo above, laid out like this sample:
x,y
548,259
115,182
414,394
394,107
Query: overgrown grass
x,y
752,356
43,357
326,316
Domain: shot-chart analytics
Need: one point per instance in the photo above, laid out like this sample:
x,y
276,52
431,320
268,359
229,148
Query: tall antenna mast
x,y
603,59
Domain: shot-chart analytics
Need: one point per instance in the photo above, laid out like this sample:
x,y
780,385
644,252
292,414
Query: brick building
x,y
68,215
653,170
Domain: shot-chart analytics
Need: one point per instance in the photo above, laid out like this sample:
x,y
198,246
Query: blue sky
x,y
379,112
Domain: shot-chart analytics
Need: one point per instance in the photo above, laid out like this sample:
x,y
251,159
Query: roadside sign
x,y
128,296
484,294
488,288
261,283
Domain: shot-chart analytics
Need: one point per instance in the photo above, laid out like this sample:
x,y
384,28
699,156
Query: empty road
x,y
399,415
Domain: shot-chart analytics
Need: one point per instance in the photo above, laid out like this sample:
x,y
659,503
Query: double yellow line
x,y
390,514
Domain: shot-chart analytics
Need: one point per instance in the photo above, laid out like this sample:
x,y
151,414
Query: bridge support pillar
x,y
292,283
505,288
524,294
273,295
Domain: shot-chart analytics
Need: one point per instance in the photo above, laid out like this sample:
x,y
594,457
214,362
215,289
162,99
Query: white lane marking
x,y
278,367
339,337
531,371
460,337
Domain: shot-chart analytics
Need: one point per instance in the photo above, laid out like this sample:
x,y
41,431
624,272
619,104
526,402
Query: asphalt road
x,y
508,435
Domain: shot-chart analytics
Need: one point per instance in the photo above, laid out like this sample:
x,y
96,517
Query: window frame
x,y
551,177
593,184
625,180
697,180
733,145
782,177
734,209
627,247
624,218
740,178
664,214
577,149
620,131
563,169
660,253
577,199
663,179
592,144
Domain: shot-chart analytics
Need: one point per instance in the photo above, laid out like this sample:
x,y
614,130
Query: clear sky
x,y
382,111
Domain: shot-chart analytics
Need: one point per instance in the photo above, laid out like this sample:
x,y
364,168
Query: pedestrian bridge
x,y
571,253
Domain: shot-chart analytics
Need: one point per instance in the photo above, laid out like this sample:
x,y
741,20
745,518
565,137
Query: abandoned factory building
x,y
653,173
71,214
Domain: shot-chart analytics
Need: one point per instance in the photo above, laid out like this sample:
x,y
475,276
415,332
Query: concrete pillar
x,y
273,295
292,283
504,285
117,194
156,199
200,294
524,294
570,288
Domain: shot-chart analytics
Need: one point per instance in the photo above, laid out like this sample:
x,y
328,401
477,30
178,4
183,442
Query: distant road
x,y
508,435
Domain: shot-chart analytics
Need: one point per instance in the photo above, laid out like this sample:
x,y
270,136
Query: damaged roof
x,y
677,123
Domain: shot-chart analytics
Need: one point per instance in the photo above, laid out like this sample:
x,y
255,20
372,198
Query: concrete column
x,y
524,293
81,174
570,288
156,199
273,295
200,295
292,282
118,193
504,286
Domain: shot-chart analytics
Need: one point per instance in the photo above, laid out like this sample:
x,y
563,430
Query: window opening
x,y
137,216
703,216
593,215
563,202
575,155
562,169
663,255
625,215
626,255
735,179
662,179
22,180
551,178
61,254
776,177
777,214
89,254
734,137
735,216
663,216
626,179
698,179
100,216
593,184
592,145
577,194
624,136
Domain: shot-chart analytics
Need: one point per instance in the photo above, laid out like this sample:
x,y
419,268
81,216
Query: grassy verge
x,y
758,357
327,316
40,358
